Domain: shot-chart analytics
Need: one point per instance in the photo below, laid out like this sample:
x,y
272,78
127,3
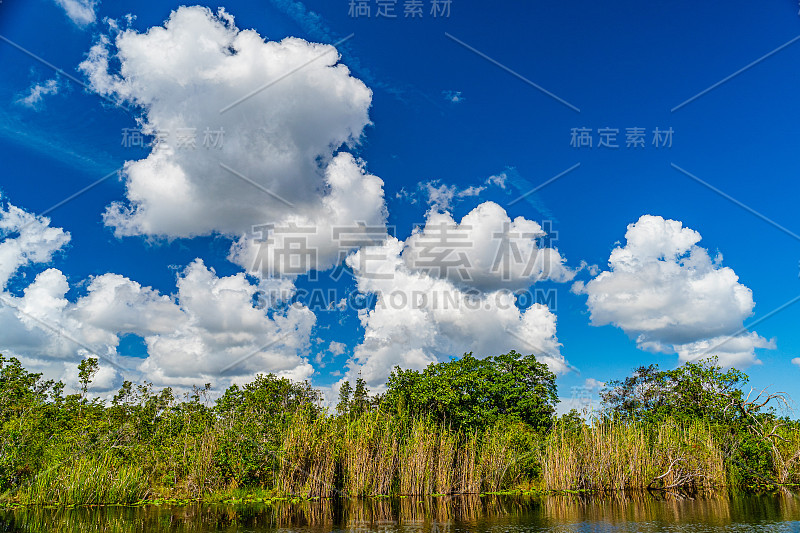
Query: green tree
x,y
31,416
343,407
361,400
254,419
745,426
475,393
87,369
700,389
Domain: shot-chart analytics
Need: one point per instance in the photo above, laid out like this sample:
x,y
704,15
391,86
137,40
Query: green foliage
x,y
360,402
343,407
475,393
467,425
746,429
694,390
254,419
29,410
86,372
86,481
570,423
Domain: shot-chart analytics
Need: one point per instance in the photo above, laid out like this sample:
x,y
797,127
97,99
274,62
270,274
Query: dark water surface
x,y
639,513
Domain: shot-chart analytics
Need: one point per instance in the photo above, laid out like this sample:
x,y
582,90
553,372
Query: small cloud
x,y
80,12
499,180
337,348
593,270
403,194
336,373
437,195
118,26
441,196
594,384
453,96
37,93
796,361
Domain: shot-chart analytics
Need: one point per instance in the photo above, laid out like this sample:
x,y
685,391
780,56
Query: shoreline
x,y
255,498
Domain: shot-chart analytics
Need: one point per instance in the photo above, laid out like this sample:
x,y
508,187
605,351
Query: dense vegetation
x,y
468,425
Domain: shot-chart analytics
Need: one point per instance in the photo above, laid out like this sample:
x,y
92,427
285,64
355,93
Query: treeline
x,y
465,426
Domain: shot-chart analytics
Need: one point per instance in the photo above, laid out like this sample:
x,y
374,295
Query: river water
x,y
640,513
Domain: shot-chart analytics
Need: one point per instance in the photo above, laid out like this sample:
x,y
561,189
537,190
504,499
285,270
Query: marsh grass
x,y
466,477
369,455
377,454
374,454
309,455
86,481
417,459
610,455
498,464
785,451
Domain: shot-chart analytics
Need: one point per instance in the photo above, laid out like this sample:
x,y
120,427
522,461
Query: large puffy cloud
x,y
221,326
278,160
422,316
31,324
192,337
667,292
487,250
320,239
115,303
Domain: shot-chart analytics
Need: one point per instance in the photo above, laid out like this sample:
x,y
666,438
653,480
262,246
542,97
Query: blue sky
x,y
446,111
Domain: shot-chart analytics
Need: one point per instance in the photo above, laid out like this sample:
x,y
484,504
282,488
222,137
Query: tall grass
x,y
417,459
86,481
498,459
374,454
785,451
201,473
610,455
466,476
369,455
308,456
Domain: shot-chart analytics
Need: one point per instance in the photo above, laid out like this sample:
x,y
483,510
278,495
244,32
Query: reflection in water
x,y
653,512
640,512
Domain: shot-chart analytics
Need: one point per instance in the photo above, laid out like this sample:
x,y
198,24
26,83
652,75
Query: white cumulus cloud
x,y
272,159
26,240
210,330
425,315
669,294
486,250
